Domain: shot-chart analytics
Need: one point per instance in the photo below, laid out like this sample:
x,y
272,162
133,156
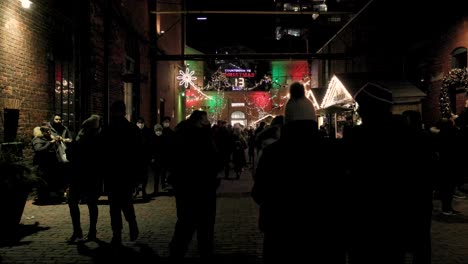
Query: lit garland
x,y
219,81
309,94
256,105
214,105
453,79
217,104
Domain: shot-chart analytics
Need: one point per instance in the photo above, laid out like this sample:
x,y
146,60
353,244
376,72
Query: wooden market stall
x,y
339,108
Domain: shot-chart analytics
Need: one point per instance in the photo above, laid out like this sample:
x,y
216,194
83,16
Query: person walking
x,y
123,151
167,139
148,138
86,179
195,183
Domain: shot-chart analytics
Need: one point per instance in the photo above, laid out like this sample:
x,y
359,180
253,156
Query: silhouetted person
x,y
388,163
86,180
238,151
269,134
147,135
123,143
167,141
421,245
195,182
157,154
299,195
223,141
447,143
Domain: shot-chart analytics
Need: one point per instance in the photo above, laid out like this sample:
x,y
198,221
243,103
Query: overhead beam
x,y
247,12
255,56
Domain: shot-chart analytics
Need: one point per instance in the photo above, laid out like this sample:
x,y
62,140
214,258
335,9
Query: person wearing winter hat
x,y
283,168
298,106
299,114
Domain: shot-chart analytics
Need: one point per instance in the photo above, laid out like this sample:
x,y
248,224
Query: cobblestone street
x,y
237,237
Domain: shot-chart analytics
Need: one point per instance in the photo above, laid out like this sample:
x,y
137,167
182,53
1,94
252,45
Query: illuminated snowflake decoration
x,y
186,78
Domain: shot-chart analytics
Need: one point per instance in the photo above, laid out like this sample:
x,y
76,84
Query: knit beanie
x,y
298,106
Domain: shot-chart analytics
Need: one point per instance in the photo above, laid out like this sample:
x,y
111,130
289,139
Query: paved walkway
x,y
237,237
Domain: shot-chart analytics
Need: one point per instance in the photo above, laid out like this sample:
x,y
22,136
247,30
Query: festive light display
x,y
257,103
309,94
186,79
336,94
216,105
453,79
240,80
266,97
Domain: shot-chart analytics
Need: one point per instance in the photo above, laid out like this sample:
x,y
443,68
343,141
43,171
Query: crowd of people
x,y
307,185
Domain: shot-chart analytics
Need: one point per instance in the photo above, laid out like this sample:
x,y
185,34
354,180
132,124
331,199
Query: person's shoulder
x,y
275,146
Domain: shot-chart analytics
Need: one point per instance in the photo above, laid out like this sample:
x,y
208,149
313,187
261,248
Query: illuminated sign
x,y
239,84
239,73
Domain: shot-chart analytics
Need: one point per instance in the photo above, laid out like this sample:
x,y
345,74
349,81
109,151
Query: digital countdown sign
x,y
237,77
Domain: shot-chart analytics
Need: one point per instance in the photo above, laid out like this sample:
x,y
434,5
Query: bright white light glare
x,y
202,18
25,3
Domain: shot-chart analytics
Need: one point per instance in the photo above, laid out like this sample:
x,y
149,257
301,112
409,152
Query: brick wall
x,y
30,38
129,32
25,39
455,36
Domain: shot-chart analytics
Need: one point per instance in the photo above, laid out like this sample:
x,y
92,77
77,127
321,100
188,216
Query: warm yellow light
x,y
25,3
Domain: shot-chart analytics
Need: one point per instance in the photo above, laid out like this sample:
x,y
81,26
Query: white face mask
x,y
140,125
158,133
166,124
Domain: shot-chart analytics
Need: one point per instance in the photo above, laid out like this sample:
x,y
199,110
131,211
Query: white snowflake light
x,y
186,78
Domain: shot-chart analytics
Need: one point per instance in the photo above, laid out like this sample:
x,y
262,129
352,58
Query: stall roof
x,y
343,86
316,95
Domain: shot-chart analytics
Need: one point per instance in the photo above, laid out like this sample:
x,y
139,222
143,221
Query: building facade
x,y
72,58
420,51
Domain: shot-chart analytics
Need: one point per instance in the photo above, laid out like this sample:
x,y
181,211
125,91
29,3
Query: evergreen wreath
x,y
453,79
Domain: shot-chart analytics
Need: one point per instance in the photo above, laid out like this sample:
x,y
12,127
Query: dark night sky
x,y
222,30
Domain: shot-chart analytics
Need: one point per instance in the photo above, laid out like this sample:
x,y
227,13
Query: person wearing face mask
x,y
157,153
167,141
61,133
148,137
